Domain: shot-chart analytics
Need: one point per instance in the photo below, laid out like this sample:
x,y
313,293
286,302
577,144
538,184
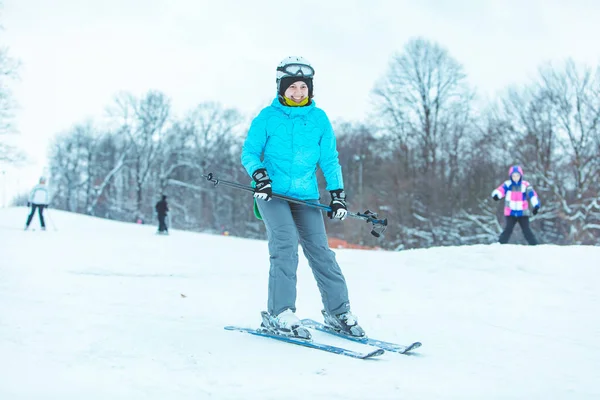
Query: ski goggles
x,y
297,70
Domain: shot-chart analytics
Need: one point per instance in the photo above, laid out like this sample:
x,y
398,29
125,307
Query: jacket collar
x,y
293,111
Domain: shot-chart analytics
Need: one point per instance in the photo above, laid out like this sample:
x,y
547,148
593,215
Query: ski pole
x,y
379,225
51,220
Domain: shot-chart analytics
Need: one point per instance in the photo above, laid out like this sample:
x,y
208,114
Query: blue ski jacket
x,y
290,142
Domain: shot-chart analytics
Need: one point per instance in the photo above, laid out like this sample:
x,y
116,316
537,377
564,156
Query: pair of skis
x,y
380,346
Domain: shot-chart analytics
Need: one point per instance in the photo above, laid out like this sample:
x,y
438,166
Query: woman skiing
x,y
285,144
518,194
38,199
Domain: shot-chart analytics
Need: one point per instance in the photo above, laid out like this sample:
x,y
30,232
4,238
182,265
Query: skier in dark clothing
x,y
162,208
518,193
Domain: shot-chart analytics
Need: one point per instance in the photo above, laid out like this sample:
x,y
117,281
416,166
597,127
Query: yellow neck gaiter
x,y
292,103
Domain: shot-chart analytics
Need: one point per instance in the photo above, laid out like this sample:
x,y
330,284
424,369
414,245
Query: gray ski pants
x,y
286,224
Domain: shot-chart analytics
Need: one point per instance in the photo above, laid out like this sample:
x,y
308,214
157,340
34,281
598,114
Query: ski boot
x,y
285,324
345,323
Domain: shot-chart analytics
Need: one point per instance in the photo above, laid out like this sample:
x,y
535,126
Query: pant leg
x,y
41,214
510,225
31,213
283,254
524,222
327,272
161,223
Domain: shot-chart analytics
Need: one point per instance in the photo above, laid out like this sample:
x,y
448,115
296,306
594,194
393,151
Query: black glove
x,y
495,197
535,210
263,189
338,205
28,204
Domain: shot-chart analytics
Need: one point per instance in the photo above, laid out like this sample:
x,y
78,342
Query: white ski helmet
x,y
294,67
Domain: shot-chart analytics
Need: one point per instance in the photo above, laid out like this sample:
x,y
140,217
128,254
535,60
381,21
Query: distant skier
x,y
162,208
285,144
38,199
518,194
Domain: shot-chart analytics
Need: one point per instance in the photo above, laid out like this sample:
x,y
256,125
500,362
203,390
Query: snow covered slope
x,y
99,309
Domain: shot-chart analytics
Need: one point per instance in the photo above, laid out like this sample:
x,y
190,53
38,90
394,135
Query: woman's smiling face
x,y
297,91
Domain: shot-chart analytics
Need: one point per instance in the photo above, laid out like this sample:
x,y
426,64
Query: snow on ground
x,y
97,309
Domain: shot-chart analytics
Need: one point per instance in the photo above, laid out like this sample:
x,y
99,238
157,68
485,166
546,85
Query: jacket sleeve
x,y
533,197
329,160
500,190
254,145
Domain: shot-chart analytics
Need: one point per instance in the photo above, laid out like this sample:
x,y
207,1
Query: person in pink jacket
x,y
517,194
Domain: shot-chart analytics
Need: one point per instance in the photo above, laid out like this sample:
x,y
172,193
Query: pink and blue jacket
x,y
517,195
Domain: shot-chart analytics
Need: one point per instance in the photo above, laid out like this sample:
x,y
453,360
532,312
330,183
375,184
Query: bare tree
x,y
421,95
424,109
8,72
424,101
211,136
70,158
108,161
144,122
575,95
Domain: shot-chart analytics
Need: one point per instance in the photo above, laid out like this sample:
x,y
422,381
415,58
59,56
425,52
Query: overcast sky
x,y
77,54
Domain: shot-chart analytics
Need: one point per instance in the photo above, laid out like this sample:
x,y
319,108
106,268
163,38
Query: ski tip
x,y
412,347
374,353
238,328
